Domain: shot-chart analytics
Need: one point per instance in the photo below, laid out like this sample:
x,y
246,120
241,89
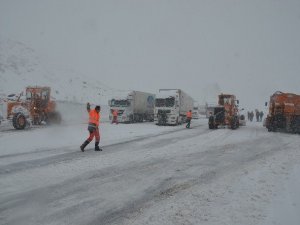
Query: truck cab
x,y
171,106
167,110
136,107
195,114
123,106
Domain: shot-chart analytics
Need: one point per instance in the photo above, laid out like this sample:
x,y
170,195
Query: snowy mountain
x,y
21,66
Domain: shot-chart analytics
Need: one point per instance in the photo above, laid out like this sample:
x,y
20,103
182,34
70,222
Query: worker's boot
x,y
97,147
84,145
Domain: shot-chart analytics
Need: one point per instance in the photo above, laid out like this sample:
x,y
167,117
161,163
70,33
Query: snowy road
x,y
150,175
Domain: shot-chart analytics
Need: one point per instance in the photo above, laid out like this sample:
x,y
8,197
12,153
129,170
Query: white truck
x,y
171,106
136,107
195,111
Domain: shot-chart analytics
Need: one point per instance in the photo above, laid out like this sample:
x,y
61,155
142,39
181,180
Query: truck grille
x,y
160,111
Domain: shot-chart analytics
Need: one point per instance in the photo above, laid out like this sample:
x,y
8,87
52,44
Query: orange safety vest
x,y
94,117
115,113
189,114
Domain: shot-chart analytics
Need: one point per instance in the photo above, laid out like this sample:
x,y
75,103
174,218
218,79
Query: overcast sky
x,y
250,48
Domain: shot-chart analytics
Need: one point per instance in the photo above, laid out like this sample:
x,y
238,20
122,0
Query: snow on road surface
x,y
149,174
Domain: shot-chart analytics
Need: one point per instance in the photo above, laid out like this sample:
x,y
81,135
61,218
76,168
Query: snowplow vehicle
x,y
225,114
284,113
37,108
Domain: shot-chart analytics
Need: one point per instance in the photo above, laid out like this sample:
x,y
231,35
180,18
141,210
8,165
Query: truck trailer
x,y
136,107
171,106
284,113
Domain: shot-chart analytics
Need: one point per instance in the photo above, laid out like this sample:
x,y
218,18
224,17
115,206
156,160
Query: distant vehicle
x,y
242,120
209,109
284,112
136,107
35,109
195,114
171,106
226,113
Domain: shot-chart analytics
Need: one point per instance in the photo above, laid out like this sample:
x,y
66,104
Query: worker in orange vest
x,y
188,118
93,127
115,116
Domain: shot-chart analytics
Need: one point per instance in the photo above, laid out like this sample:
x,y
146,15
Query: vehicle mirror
x,y
238,102
266,103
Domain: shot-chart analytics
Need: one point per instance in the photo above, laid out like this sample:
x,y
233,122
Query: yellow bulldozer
x,y
226,113
37,108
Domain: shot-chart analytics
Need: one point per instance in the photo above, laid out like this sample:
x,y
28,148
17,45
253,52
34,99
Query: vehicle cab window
x,y
28,95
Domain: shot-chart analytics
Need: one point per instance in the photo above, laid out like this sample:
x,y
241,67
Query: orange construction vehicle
x,y
226,113
36,108
284,112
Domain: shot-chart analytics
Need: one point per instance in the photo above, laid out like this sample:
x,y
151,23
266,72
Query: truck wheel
x,y
180,120
296,125
131,120
19,121
271,128
233,124
141,118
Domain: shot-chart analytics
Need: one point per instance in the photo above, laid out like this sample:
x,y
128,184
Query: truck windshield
x,y
120,103
165,102
225,100
28,95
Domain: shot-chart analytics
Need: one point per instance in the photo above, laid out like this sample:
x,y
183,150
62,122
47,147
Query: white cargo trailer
x,y
136,107
171,106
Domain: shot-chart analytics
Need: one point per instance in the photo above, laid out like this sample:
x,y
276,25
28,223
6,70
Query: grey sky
x,y
248,47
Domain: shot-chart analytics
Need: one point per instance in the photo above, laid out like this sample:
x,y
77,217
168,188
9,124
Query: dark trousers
x,y
188,120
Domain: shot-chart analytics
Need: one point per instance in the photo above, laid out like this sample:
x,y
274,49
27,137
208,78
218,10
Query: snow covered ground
x,y
149,174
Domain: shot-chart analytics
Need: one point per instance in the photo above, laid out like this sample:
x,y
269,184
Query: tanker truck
x,y
136,107
284,113
171,106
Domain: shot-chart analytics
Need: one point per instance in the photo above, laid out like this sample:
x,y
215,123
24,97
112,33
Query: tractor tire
x,y
234,123
211,123
54,118
271,127
296,125
131,119
19,121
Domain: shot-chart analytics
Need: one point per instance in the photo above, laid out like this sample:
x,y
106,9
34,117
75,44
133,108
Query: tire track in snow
x,y
168,187
70,156
212,163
